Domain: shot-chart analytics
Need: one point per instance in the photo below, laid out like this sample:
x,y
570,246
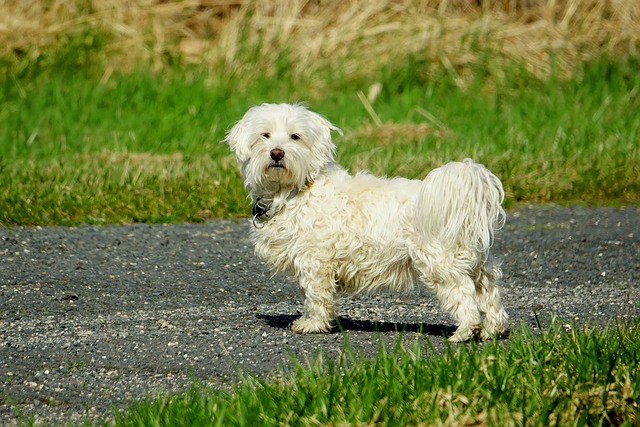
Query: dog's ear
x,y
238,139
323,128
326,124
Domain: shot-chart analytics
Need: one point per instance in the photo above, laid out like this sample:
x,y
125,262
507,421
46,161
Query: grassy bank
x,y
112,112
145,147
561,377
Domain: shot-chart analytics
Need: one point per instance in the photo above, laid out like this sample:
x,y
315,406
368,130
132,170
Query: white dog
x,y
335,232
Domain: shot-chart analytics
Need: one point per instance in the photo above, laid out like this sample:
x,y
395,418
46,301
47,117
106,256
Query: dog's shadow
x,y
283,321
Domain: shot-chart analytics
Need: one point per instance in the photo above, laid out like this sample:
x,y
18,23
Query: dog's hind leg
x,y
319,303
459,298
455,290
457,295
495,317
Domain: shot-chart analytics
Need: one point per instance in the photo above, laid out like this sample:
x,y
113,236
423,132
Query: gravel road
x,y
93,317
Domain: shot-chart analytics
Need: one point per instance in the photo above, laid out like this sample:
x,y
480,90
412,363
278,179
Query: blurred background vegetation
x,y
352,40
112,111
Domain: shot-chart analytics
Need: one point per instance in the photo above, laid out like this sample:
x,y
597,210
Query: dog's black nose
x,y
277,154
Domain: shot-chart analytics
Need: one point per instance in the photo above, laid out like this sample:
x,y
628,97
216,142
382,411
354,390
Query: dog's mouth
x,y
278,171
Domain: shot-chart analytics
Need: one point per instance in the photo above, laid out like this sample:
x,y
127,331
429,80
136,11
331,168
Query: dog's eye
x,y
295,136
266,135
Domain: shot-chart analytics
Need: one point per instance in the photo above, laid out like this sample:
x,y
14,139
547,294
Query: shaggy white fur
x,y
334,232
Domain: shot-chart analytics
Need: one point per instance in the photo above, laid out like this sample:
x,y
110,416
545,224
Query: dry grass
x,y
358,36
390,132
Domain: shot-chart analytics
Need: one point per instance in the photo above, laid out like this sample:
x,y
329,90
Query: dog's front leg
x,y
319,303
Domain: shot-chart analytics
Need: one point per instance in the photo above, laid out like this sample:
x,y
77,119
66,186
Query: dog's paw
x,y
308,326
497,333
464,334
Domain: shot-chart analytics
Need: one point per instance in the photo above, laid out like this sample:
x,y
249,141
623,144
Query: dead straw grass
x,y
358,36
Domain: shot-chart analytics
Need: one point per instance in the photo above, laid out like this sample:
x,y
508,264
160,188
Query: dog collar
x,y
260,211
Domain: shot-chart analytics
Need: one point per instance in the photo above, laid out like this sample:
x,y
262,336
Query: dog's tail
x,y
460,206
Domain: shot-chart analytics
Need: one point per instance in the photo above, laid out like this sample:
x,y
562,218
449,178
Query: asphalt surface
x,y
94,317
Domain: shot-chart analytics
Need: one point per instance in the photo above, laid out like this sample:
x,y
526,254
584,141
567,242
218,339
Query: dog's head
x,y
281,146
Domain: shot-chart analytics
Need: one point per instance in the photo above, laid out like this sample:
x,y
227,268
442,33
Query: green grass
x,y
558,377
79,148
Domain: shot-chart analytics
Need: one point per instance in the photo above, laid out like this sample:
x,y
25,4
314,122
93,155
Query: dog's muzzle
x,y
277,154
